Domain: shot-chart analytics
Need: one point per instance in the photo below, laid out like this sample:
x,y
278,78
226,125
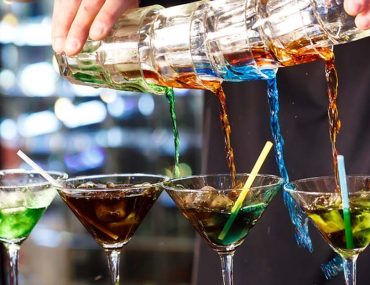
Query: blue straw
x,y
345,201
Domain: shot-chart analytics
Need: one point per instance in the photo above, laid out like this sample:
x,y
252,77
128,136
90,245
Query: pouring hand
x,y
74,21
361,10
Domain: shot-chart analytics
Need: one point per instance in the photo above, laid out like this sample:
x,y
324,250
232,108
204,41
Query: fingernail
x,y
58,45
72,46
96,31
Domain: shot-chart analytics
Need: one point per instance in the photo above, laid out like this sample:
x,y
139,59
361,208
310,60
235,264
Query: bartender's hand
x,y
361,10
76,20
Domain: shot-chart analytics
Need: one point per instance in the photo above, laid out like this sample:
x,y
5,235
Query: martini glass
x,y
206,201
111,207
320,198
24,197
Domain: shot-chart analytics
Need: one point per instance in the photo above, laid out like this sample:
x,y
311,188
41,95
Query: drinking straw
x,y
238,204
42,172
53,182
345,202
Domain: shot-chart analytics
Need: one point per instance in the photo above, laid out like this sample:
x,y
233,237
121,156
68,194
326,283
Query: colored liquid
x,y
190,81
17,223
210,222
329,220
273,99
170,95
126,81
334,122
227,131
111,217
297,53
242,65
215,87
297,215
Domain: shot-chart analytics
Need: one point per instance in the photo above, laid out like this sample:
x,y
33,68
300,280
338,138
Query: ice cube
x,y
40,198
361,201
326,201
111,185
221,202
362,222
188,199
13,199
91,185
131,219
108,212
204,196
11,211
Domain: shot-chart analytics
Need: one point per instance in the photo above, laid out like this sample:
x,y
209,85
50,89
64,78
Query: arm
x,y
361,10
76,20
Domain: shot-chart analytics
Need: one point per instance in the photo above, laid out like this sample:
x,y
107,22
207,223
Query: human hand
x,y
361,10
75,20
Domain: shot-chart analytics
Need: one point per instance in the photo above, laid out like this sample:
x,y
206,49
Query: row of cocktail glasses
x,y
111,207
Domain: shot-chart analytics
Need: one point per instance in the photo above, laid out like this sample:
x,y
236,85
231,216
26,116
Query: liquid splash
x,y
333,267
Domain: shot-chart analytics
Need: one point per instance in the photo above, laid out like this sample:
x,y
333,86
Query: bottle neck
x,y
115,61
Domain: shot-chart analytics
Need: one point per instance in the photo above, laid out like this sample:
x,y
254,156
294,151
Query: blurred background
x,y
82,130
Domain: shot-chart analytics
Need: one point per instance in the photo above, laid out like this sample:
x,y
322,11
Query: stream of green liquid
x,y
170,95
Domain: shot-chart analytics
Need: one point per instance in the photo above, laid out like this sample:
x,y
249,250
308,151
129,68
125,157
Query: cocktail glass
x,y
24,197
111,207
320,198
206,201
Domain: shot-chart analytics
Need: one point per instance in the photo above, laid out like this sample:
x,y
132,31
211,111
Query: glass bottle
x,y
201,43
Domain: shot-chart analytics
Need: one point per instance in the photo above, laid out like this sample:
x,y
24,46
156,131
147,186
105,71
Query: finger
x,y
80,27
362,20
108,15
64,12
354,7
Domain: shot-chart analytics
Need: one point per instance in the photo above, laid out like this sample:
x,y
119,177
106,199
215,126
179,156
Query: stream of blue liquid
x,y
297,216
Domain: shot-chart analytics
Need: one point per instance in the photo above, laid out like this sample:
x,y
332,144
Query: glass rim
x,y
279,180
60,176
66,188
321,178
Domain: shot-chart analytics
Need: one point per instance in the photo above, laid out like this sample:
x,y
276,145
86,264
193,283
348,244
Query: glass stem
x,y
113,256
349,268
227,267
13,254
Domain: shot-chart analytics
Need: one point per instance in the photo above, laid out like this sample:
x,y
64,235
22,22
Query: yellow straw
x,y
238,204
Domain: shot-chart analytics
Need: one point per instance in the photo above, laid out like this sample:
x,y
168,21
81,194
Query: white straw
x,y
42,172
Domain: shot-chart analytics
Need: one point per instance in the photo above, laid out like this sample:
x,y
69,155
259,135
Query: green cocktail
x,y
24,197
210,222
17,223
321,199
329,220
207,202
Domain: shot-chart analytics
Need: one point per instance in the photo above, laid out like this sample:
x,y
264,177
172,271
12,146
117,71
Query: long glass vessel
x,y
200,43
